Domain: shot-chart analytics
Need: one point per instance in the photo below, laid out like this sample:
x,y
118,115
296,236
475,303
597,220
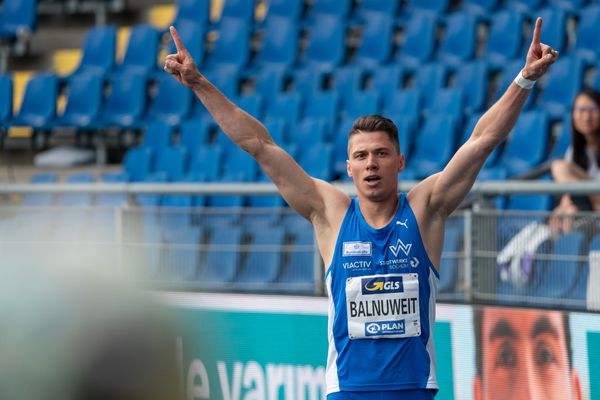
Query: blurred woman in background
x,y
582,158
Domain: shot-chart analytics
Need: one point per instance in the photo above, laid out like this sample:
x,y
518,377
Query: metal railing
x,y
186,248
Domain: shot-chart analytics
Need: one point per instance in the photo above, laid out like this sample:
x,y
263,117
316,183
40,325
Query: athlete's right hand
x,y
181,65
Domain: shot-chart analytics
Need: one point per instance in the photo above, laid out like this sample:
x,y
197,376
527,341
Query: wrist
x,y
524,80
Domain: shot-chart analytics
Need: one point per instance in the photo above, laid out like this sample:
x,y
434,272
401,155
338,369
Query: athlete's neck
x,y
378,213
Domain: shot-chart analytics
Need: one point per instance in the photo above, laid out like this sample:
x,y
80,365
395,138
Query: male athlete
x,y
382,250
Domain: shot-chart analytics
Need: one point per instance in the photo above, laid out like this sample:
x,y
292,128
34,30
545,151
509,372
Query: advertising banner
x,y
249,347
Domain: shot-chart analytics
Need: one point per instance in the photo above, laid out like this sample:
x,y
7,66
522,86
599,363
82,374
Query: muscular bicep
x,y
308,196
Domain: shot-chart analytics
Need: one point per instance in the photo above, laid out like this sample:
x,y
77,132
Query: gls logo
x,y
390,284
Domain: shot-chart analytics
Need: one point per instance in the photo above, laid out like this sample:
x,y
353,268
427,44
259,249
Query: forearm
x,y
495,125
244,130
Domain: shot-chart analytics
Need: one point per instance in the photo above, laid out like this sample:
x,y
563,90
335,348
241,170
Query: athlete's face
x,y
525,357
374,164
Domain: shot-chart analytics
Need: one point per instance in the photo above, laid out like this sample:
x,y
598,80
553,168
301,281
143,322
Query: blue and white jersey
x,y
382,290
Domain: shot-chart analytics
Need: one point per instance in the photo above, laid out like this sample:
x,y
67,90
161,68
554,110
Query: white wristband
x,y
524,82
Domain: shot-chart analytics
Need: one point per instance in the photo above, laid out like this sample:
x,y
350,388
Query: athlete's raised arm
x,y
308,196
444,191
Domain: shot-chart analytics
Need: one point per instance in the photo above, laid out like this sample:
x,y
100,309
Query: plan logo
x,y
385,328
401,246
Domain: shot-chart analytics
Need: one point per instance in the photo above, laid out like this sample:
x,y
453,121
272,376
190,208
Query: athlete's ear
x,y
401,163
348,170
477,388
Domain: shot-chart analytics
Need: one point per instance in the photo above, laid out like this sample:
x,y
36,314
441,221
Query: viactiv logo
x,y
383,284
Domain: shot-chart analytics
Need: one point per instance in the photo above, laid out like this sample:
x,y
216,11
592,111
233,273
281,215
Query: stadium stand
x,y
307,70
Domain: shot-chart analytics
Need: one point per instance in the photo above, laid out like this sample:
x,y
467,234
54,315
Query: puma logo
x,y
404,224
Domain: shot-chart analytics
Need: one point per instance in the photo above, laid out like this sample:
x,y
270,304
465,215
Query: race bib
x,y
383,306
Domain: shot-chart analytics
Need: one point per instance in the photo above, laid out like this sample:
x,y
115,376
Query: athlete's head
x,y
585,124
374,158
523,354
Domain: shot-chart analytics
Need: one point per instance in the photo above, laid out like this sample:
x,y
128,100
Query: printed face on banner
x,y
524,356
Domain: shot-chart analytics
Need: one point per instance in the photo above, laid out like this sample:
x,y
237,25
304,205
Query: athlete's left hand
x,y
539,57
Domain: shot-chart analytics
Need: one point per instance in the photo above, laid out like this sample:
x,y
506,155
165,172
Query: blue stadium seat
x,y
126,101
317,161
269,82
193,135
142,50
279,45
480,8
386,79
429,79
232,47
222,255
16,17
286,106
348,80
429,6
40,199
524,6
6,98
192,36
325,106
527,145
505,38
157,136
404,102
459,41
38,107
427,159
473,79
406,133
561,275
77,199
360,103
376,43
525,202
340,144
299,273
172,162
99,50
419,41
206,163
84,99
171,103
308,80
112,199
240,165
291,9
242,10
554,29
150,200
181,255
264,258
335,8
326,43
565,80
448,101
309,132
195,11
507,76
277,129
368,8
449,261
137,163
571,6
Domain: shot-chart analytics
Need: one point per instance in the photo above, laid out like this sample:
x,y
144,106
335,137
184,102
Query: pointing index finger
x,y
537,32
178,43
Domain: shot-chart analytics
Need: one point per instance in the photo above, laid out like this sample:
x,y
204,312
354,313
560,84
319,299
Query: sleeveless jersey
x,y
382,290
